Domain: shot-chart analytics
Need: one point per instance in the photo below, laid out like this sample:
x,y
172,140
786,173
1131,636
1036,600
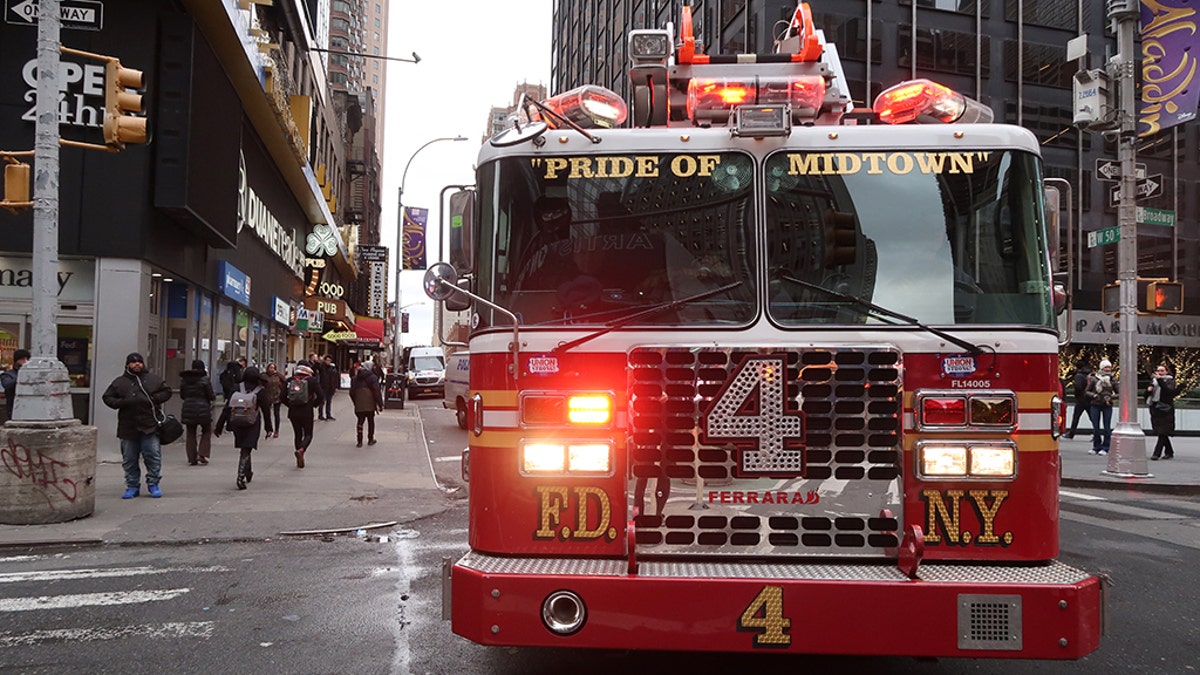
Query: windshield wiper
x,y
971,347
649,311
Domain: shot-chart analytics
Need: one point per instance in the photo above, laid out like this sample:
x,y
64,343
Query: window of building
x,y
374,79
850,35
943,51
1052,13
958,6
1044,65
377,24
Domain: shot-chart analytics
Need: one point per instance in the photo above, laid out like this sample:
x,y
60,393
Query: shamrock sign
x,y
321,240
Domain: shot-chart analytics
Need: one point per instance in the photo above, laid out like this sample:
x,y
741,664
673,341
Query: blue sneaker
x,y
154,491
130,493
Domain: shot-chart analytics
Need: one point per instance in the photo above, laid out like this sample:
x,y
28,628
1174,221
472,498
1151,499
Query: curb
x,y
1133,484
52,543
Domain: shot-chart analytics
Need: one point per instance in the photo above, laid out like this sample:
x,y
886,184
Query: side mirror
x,y
462,231
440,282
459,301
1059,293
1053,201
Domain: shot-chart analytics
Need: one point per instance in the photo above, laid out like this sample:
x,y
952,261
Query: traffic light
x,y
1110,301
16,186
122,123
1164,297
840,239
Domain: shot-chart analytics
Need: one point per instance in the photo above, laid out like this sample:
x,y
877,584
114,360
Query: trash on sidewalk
x,y
338,530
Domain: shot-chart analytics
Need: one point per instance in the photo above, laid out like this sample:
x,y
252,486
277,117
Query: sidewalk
x,y
341,486
1180,476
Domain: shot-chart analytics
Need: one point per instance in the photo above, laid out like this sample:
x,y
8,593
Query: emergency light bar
x,y
589,106
926,101
712,99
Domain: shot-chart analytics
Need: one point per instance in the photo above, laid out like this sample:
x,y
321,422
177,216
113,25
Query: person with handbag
x,y
196,390
136,395
1160,397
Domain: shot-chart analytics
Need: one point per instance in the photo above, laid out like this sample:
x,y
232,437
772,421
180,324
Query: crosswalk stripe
x,y
88,599
98,573
193,629
1080,495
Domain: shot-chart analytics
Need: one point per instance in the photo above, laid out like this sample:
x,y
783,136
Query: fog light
x,y
588,457
992,461
944,460
563,612
543,458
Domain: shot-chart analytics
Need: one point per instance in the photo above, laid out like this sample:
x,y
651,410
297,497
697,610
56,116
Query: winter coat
x,y
1094,381
230,377
9,379
273,383
1162,412
365,392
134,396
196,391
330,377
315,398
1082,397
246,437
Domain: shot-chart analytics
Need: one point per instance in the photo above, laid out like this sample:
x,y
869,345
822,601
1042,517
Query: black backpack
x,y
243,408
297,391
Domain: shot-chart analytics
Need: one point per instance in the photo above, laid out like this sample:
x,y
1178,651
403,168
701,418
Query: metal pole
x,y
1127,451
397,349
43,388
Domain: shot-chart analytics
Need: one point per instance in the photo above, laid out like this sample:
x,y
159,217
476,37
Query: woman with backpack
x,y
1102,387
302,394
368,400
273,382
196,391
243,414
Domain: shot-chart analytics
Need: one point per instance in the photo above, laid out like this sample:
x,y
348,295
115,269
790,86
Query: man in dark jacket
x,y
368,400
231,376
196,390
330,378
1083,400
136,395
9,379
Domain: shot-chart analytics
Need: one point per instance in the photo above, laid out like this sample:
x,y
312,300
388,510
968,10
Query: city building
x,y
198,244
498,115
1008,55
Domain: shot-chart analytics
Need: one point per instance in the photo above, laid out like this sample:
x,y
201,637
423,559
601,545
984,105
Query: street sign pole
x,y
1127,450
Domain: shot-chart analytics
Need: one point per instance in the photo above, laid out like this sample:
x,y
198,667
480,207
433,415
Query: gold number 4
x,y
764,615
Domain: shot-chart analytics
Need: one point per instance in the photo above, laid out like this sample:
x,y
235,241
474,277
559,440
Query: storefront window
x,y
75,352
241,334
10,341
204,329
226,347
176,331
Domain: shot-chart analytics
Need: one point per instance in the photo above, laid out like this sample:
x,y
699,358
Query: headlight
x,y
944,460
569,458
588,457
543,458
992,461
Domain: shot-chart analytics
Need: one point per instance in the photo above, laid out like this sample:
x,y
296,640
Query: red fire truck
x,y
751,369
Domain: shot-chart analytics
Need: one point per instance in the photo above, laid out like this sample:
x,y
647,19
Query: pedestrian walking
x,y
9,379
1160,397
302,394
368,400
231,376
330,381
196,392
136,395
243,415
1083,400
1102,387
273,382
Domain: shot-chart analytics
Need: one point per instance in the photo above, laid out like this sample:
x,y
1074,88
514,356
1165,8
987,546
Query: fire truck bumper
x,y
1045,611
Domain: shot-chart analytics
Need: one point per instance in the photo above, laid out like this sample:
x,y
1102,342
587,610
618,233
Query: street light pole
x,y
396,347
1127,450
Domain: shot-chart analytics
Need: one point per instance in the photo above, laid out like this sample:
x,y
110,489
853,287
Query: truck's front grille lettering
x,y
751,479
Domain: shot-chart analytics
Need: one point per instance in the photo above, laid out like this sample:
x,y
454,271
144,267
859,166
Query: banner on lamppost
x,y
1170,49
414,238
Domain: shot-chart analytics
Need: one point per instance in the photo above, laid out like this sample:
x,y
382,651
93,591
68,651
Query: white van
x,y
458,385
425,371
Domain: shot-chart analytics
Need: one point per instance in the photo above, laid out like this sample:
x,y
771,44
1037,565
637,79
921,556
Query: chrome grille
x,y
821,477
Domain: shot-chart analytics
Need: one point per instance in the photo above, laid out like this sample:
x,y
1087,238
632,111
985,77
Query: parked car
x,y
458,385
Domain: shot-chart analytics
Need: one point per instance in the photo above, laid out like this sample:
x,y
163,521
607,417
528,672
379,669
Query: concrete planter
x,y
47,472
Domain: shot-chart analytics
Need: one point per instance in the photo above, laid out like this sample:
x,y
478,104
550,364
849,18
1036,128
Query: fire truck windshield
x,y
591,239
947,238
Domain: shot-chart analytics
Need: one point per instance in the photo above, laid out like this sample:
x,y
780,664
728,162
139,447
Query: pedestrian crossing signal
x,y
1164,297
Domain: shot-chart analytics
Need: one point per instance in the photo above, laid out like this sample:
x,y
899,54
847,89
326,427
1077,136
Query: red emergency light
x,y
589,106
926,101
711,99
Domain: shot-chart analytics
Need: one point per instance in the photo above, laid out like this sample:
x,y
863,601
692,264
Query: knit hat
x,y
134,358
369,365
303,370
198,365
1105,364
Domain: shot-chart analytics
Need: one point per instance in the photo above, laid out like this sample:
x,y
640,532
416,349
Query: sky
x,y
473,54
